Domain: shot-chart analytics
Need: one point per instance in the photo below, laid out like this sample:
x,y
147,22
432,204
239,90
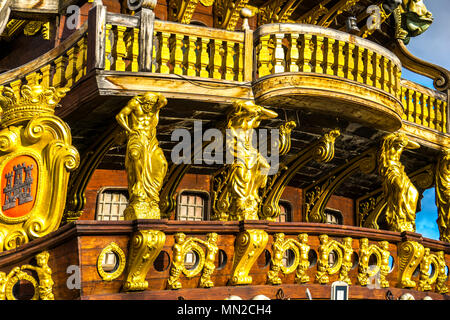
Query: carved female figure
x,y
424,281
384,265
209,267
177,261
400,194
347,260
322,261
44,274
364,254
278,250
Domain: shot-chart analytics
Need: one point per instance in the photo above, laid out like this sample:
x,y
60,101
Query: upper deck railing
x,y
138,44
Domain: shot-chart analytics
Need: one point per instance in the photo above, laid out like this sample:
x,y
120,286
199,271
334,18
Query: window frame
x,y
206,202
339,216
288,205
102,190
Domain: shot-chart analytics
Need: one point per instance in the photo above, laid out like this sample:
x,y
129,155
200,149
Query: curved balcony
x,y
317,68
289,65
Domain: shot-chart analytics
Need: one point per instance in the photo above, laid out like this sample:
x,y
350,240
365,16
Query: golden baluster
x,y
70,69
216,61
45,70
306,52
319,53
431,108
132,44
396,81
350,63
203,47
164,52
278,57
120,49
424,100
368,78
341,58
229,60
190,57
330,56
361,64
240,65
176,53
439,120
109,39
264,66
444,117
384,74
377,80
81,59
405,103
293,53
60,66
416,103
390,77
32,79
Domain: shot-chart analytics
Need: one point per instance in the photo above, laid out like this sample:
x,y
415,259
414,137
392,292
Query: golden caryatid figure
x,y
238,197
443,195
145,162
400,193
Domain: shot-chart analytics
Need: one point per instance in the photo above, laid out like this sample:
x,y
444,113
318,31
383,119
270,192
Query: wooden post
x,y
248,45
96,36
147,19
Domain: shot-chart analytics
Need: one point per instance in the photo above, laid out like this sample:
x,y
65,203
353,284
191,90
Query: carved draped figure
x,y
401,195
443,195
145,162
247,174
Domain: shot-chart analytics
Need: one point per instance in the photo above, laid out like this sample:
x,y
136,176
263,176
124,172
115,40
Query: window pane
x,y
111,205
191,206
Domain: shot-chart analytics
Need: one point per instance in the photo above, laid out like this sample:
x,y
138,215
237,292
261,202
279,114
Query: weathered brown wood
x,y
147,18
96,37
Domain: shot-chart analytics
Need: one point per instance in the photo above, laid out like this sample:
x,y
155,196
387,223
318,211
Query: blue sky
x,y
432,46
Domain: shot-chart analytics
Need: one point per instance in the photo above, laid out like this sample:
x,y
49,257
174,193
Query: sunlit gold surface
x,y
204,264
121,261
144,248
145,162
443,195
43,285
31,129
236,196
401,195
381,253
410,254
248,246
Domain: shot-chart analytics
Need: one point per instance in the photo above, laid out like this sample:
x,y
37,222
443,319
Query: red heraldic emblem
x,y
19,186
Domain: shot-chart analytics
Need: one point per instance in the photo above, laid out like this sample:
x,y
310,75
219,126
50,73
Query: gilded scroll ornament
x,y
204,264
43,285
398,190
237,187
226,13
410,255
343,259
424,281
249,245
145,162
412,19
111,248
300,263
36,157
318,194
145,247
443,195
382,254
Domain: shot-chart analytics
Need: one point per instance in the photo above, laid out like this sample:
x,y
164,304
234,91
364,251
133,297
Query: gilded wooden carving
x,y
443,195
412,19
43,286
343,259
300,263
145,162
410,254
249,245
382,254
400,193
236,194
111,248
36,157
204,264
144,248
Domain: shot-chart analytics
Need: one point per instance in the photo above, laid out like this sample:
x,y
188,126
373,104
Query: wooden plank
x,y
147,19
96,37
122,20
